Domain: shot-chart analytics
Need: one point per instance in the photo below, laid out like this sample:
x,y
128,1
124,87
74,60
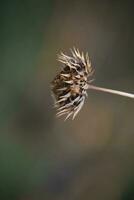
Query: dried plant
x,y
69,87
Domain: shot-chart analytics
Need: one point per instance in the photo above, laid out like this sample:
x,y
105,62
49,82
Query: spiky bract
x,y
70,85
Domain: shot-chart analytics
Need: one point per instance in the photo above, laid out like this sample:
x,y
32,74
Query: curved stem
x,y
125,94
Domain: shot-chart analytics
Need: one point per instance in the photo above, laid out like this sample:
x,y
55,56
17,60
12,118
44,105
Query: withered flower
x,y
69,87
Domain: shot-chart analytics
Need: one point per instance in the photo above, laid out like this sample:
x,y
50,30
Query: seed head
x,y
70,85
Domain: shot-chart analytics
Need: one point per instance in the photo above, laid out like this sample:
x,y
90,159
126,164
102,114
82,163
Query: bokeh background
x,y
42,157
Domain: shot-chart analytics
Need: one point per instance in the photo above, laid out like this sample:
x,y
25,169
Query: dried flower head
x,y
70,85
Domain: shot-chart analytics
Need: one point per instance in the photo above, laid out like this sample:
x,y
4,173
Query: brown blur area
x,y
45,158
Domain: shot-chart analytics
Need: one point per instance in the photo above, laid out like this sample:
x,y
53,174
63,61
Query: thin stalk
x,y
125,94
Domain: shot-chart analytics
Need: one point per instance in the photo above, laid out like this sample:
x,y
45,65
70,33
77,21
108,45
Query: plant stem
x,y
125,94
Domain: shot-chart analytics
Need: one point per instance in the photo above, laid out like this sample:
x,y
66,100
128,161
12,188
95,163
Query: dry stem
x,y
125,94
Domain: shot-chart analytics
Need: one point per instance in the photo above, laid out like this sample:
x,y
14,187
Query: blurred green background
x,y
42,157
